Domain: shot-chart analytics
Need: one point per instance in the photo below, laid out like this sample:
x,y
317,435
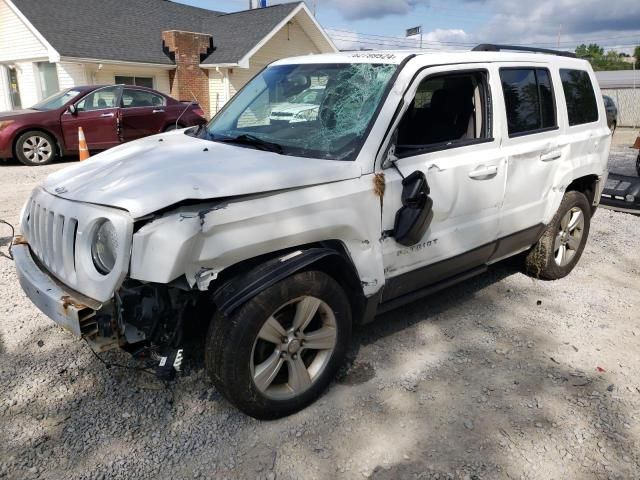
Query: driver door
x,y
97,114
446,132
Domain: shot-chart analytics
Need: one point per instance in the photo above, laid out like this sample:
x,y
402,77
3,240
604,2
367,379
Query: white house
x,y
184,51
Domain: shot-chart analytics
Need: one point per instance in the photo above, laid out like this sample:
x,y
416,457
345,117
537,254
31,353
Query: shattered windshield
x,y
344,99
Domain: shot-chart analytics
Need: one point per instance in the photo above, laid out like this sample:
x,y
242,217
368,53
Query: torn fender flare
x,y
243,287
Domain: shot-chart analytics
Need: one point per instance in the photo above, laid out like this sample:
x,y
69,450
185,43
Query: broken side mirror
x,y
415,216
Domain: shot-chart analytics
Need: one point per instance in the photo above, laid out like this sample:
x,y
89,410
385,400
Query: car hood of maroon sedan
x,y
147,175
14,114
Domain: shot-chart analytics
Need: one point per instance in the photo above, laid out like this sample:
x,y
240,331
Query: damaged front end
x,y
148,321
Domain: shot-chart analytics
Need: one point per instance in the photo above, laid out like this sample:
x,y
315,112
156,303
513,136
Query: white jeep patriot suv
x,y
417,171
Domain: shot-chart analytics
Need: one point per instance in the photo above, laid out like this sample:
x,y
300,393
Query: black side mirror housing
x,y
415,216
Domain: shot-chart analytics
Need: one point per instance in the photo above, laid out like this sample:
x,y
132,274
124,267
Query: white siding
x,y
290,41
71,75
218,89
16,40
108,73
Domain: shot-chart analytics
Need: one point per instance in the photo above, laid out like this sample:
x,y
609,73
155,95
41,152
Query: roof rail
x,y
490,47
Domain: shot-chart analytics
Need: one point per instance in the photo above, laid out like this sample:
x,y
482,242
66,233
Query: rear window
x,y
528,97
580,97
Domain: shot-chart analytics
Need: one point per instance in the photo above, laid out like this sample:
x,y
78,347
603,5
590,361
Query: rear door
x,y
532,143
143,113
97,114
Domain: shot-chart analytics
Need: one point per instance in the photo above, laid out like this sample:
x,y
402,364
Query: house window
x,y
528,97
137,81
48,78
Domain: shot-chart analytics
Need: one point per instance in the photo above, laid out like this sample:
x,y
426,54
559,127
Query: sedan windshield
x,y
56,100
334,127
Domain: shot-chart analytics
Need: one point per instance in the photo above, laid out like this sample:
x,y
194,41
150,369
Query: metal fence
x,y
628,102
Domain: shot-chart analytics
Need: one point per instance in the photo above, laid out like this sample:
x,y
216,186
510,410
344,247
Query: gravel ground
x,y
500,377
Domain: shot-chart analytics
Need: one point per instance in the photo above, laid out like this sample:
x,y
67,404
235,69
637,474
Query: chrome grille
x,y
52,237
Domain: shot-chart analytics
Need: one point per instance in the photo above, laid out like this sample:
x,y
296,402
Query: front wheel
x,y
35,148
278,352
563,241
638,165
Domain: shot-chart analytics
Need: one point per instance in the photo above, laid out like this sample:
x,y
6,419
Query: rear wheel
x,y
35,148
279,351
638,165
563,241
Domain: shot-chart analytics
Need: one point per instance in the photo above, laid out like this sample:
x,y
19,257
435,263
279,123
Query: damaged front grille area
x,y
52,237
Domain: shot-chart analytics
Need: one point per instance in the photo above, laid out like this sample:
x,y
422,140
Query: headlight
x,y
630,198
104,248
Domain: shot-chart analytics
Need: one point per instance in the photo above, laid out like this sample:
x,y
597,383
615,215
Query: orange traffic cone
x,y
82,145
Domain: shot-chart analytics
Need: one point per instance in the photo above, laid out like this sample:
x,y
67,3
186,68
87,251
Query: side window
x,y
581,100
98,100
140,98
529,100
448,110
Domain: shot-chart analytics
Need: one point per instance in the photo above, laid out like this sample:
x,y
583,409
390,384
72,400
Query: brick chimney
x,y
188,50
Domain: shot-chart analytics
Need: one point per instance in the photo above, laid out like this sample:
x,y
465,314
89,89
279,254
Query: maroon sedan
x,y
108,114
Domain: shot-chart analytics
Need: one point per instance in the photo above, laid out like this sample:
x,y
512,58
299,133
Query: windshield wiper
x,y
252,140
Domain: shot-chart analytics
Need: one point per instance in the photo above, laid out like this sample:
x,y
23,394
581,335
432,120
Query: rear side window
x,y
581,100
528,97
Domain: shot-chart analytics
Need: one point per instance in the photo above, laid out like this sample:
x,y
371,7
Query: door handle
x,y
107,114
158,111
551,156
484,173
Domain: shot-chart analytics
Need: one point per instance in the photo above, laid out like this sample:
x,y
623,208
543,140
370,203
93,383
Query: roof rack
x,y
491,47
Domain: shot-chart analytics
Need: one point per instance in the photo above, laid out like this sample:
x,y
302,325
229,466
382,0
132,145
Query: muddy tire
x,y
279,351
35,148
563,241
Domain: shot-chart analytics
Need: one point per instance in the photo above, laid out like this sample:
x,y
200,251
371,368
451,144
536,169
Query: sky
x,y
461,24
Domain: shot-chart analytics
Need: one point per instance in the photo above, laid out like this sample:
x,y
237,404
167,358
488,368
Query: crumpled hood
x,y
155,172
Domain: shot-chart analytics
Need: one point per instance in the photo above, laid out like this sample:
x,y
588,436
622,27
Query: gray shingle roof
x,y
131,30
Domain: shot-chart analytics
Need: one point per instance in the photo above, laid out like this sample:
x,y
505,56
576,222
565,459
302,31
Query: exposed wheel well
x,y
339,267
587,186
36,129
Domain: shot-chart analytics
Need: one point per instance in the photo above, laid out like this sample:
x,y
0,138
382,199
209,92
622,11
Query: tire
x,y
613,128
34,148
563,241
638,165
265,378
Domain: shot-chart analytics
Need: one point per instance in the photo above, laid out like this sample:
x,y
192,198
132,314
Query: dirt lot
x,y
500,377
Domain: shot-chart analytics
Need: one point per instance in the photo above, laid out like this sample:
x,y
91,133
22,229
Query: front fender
x,y
214,237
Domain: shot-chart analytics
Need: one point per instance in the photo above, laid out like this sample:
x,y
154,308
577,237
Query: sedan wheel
x,y
35,148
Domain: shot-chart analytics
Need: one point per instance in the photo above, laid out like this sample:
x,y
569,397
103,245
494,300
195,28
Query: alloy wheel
x,y
293,347
569,236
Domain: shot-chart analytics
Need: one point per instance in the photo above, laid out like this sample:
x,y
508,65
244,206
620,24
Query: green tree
x,y
636,53
595,54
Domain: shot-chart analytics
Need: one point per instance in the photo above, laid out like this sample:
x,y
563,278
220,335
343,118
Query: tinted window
x,y
528,96
578,92
100,99
140,98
